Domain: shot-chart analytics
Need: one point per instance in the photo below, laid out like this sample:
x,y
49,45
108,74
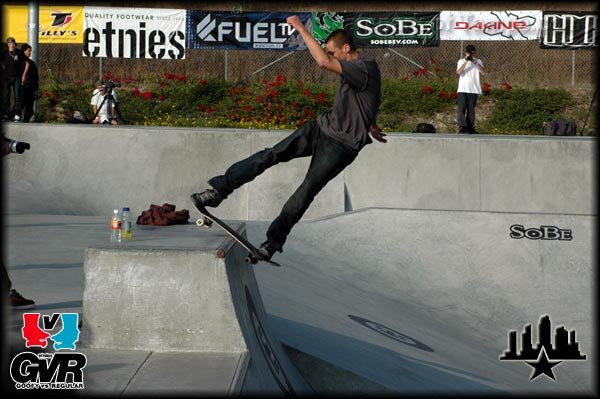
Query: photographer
x,y
16,301
12,71
104,102
469,87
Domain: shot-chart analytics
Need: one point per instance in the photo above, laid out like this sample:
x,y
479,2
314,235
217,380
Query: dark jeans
x,y
8,85
329,158
28,101
466,111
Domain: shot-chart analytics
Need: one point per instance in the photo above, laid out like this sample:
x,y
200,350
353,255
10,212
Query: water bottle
x,y
126,229
115,227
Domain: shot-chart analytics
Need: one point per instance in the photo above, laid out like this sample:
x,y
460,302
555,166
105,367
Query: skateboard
x,y
207,221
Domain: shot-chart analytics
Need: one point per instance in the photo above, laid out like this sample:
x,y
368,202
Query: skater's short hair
x,y
341,37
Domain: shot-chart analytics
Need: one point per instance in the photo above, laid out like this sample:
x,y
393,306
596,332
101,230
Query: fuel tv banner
x,y
490,25
381,29
244,30
151,33
57,24
569,30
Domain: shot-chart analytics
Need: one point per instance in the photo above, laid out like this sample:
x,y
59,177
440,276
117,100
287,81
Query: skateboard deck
x,y
207,221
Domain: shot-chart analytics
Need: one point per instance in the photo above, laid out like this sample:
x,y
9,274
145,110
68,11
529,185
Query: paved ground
x,y
374,301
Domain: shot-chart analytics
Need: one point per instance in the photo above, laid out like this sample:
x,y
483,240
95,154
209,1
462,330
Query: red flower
x,y
454,95
202,82
210,110
427,89
162,97
136,92
280,78
168,75
506,86
443,95
201,108
320,98
307,93
486,88
248,108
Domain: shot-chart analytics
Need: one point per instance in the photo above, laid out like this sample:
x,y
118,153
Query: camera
x,y
15,146
469,57
109,85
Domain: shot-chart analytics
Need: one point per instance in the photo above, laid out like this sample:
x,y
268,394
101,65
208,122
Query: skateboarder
x,y
333,139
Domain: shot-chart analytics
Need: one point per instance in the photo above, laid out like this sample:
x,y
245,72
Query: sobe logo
x,y
58,370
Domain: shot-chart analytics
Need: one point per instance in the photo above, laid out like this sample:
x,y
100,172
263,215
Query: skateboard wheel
x,y
204,222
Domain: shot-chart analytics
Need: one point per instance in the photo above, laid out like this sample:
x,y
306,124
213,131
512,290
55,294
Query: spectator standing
x,y
30,81
12,72
469,87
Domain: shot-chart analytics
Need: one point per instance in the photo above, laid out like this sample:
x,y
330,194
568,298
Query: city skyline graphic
x,y
545,355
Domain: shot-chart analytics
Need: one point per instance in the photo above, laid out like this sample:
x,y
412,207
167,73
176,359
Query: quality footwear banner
x,y
244,30
154,33
58,24
381,29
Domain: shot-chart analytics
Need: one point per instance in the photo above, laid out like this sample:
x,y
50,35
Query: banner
x,y
244,30
571,30
381,29
490,25
57,24
152,33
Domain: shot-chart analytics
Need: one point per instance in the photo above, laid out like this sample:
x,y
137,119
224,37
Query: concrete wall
x,y
89,170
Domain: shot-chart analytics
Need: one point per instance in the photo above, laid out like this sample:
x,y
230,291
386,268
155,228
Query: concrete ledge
x,y
90,170
158,300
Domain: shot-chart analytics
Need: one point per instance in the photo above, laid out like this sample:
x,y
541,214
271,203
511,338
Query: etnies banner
x,y
58,24
154,33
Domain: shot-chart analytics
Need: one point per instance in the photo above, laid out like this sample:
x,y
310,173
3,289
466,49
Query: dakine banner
x,y
244,30
490,25
381,29
154,33
571,30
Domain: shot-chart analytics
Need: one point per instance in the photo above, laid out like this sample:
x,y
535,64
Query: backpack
x,y
425,128
560,128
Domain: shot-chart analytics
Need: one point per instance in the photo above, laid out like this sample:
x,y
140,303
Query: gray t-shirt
x,y
355,105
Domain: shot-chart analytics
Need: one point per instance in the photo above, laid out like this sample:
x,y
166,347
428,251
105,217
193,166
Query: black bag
x,y
425,128
560,128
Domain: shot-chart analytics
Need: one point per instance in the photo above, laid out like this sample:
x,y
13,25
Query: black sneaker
x,y
266,251
18,302
206,198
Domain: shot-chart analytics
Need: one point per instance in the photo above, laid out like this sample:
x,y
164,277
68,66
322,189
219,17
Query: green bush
x,y
522,111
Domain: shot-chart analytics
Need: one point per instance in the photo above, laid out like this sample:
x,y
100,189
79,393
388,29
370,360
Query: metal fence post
x,y
573,70
33,33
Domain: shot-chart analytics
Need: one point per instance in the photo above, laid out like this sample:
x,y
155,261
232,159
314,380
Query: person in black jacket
x,y
12,72
30,81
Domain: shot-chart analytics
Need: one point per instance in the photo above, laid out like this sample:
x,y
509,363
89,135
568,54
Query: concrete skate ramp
x,y
423,301
194,295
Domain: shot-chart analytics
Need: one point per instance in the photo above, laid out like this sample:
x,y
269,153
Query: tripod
x,y
109,99
589,110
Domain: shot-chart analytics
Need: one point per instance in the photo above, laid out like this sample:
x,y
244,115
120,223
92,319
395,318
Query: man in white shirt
x,y
469,87
106,115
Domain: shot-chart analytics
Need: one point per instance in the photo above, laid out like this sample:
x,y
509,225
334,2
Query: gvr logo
x,y
49,370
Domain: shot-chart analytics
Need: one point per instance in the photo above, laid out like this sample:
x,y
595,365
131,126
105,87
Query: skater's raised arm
x,y
324,57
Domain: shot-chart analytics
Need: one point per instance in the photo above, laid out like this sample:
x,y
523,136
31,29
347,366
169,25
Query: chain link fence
x,y
520,63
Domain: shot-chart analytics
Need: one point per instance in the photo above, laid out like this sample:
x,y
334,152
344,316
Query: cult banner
x,y
244,30
381,29
569,30
152,33
490,25
57,24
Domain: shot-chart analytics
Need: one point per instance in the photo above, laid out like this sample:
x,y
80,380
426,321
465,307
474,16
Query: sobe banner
x,y
571,30
381,29
57,24
490,25
154,33
243,30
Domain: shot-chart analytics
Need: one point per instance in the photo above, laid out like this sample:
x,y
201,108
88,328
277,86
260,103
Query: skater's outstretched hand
x,y
377,133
